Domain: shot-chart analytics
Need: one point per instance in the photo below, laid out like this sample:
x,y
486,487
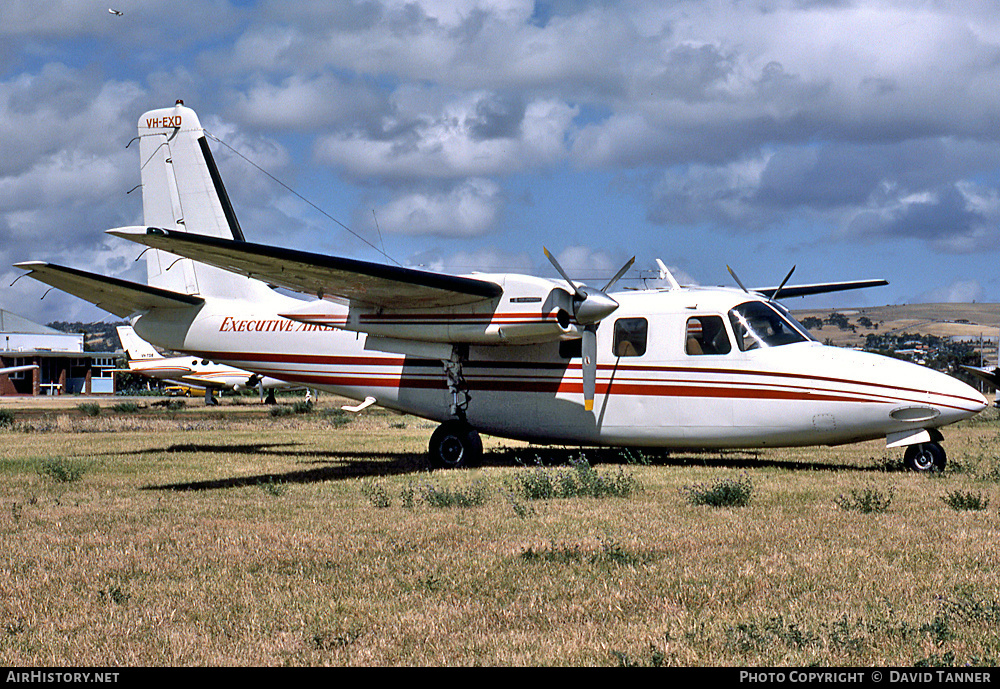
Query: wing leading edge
x,y
370,284
817,288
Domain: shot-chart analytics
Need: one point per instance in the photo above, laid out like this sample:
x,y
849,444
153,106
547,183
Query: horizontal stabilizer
x,y
818,288
117,296
370,284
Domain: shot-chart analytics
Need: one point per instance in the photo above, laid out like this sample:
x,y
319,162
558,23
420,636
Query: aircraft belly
x,y
652,405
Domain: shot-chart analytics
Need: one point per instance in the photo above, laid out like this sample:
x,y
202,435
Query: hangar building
x,y
63,366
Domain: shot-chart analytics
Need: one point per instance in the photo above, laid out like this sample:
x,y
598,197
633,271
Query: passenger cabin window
x,y
757,324
706,335
630,336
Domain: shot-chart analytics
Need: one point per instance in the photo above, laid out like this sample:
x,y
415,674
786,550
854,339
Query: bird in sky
x,y
115,12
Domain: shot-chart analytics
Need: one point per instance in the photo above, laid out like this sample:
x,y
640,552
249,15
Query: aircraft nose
x,y
956,399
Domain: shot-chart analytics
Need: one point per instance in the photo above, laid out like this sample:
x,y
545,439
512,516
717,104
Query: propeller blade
x,y
589,347
619,274
552,259
774,296
589,305
738,282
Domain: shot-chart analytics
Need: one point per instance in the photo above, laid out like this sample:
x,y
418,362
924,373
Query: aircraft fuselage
x,y
801,393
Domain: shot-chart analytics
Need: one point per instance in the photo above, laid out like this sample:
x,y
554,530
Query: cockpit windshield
x,y
758,324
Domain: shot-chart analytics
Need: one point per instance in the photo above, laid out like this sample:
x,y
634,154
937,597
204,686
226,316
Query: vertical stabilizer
x,y
135,347
182,190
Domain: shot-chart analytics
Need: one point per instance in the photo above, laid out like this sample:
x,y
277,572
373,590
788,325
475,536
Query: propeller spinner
x,y
590,307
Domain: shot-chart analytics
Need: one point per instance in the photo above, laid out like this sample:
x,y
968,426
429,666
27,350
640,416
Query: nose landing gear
x,y
925,457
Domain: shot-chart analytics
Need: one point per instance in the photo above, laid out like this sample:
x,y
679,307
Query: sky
x,y
850,139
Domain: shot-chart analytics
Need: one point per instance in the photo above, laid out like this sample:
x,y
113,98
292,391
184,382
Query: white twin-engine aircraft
x,y
543,360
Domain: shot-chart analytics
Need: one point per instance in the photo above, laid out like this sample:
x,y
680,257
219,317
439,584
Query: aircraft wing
x,y
15,369
117,296
818,288
372,284
990,375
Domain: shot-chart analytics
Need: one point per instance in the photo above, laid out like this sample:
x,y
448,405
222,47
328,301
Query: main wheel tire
x,y
455,445
925,457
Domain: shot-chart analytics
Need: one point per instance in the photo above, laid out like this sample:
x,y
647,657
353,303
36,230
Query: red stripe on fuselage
x,y
477,374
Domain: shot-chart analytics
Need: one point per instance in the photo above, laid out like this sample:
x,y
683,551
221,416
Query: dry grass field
x,y
232,536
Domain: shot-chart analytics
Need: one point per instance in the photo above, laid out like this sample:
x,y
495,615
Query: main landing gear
x,y
925,457
455,444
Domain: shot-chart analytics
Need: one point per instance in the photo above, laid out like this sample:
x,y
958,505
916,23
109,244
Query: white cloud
x,y
469,209
306,103
958,292
490,259
415,143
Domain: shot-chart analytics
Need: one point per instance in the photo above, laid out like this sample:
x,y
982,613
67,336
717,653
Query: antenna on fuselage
x,y
666,275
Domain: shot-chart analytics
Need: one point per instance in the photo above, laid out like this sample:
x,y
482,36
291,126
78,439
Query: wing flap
x,y
117,296
369,284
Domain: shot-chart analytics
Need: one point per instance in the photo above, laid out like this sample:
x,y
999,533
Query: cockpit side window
x,y
706,335
630,336
757,324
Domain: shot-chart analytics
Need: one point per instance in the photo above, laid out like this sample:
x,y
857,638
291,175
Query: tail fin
x,y
136,347
182,190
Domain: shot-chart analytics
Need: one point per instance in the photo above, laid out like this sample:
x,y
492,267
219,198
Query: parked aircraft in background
x,y
990,375
191,371
15,369
518,356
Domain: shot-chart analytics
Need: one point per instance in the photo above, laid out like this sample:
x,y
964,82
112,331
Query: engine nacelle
x,y
531,310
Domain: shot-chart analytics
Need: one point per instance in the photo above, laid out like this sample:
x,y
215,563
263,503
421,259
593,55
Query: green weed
x,y
866,500
303,407
723,492
89,408
272,487
299,407
125,407
580,479
441,496
62,469
376,493
169,405
336,417
609,552
966,500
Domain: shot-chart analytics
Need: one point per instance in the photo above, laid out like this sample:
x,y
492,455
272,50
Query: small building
x,y
63,365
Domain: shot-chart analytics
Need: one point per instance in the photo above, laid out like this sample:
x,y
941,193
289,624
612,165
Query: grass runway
x,y
237,536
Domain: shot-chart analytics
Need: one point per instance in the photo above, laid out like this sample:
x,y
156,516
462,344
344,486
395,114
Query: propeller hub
x,y
595,307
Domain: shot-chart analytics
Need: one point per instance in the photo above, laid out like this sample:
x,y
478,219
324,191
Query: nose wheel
x,y
925,457
455,445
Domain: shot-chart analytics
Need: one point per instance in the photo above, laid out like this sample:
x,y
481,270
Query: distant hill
x,y
942,320
97,337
